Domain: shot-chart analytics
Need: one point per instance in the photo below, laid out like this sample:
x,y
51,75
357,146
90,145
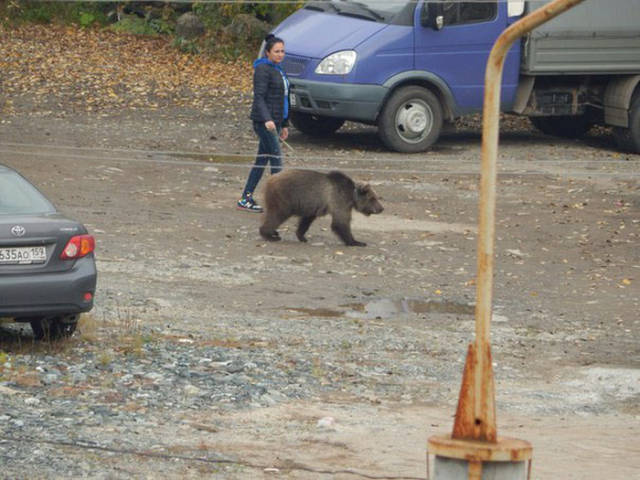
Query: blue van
x,y
407,66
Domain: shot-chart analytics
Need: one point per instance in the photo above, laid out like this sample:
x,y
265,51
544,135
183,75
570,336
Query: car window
x,y
18,197
456,13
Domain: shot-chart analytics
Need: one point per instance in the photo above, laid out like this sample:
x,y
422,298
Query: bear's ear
x,y
362,188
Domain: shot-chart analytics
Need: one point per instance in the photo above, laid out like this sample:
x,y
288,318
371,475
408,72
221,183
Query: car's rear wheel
x,y
53,328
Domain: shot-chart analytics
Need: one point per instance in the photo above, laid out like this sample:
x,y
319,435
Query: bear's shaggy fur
x,y
310,194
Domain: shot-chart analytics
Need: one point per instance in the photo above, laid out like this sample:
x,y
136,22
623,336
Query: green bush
x,y
186,46
275,13
86,19
141,26
222,41
33,13
87,14
81,13
215,15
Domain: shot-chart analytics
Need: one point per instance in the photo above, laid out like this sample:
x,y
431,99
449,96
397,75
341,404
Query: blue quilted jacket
x,y
270,97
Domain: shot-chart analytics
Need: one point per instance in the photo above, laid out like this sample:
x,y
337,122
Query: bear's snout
x,y
367,202
373,208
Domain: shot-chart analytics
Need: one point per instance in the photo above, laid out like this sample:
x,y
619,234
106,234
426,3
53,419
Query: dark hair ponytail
x,y
270,40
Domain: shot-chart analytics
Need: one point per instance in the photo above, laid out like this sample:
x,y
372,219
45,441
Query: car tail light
x,y
78,247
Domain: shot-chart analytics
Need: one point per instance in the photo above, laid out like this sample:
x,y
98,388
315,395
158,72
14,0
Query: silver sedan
x,y
47,265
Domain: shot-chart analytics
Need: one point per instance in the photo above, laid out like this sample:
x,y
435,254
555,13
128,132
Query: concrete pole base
x,y
460,459
455,469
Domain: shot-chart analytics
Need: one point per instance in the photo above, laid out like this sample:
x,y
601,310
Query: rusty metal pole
x,y
474,437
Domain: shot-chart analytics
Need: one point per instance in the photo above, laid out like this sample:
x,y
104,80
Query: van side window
x,y
456,13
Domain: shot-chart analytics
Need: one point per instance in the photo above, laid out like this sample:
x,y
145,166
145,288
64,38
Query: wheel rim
x,y
414,121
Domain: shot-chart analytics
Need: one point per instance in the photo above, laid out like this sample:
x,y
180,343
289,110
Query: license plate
x,y
294,100
22,255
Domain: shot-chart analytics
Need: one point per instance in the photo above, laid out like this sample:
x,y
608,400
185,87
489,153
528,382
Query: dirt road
x,y
178,262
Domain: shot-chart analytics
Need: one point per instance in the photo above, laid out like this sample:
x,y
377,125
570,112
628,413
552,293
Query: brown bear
x,y
310,194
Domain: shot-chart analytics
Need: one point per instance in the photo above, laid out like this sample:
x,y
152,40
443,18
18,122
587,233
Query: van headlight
x,y
338,63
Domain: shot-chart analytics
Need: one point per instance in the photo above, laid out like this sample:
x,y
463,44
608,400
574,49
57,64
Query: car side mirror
x,y
432,15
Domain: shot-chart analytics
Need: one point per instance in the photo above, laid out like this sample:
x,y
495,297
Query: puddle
x,y
387,307
217,159
318,312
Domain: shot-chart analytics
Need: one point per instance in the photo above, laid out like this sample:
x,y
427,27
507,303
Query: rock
x,y
7,391
192,391
326,423
248,28
49,378
189,26
235,367
78,378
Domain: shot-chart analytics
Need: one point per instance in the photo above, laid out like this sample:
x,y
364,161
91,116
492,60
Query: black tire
x,y
566,126
53,328
315,125
411,120
628,139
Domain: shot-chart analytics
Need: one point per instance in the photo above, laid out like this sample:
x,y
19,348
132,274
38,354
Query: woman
x,y
269,112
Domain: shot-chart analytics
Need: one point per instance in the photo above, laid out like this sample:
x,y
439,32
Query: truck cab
x,y
404,66
409,66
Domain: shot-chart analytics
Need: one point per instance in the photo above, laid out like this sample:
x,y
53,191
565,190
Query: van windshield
x,y
382,11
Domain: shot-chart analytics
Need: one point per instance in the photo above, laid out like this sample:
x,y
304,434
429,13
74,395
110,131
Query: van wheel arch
x,y
628,139
446,101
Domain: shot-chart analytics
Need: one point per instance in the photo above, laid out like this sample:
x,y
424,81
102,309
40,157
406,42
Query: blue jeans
x,y
268,152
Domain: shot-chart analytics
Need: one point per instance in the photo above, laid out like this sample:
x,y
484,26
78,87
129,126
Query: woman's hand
x,y
284,133
270,125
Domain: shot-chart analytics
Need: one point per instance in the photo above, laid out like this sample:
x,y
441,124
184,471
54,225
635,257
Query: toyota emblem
x,y
18,230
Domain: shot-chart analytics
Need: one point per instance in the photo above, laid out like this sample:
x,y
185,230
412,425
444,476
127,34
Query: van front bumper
x,y
359,102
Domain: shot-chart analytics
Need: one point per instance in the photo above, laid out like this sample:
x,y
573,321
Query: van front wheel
x,y
411,120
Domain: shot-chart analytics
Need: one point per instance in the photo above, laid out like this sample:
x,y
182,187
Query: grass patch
x,y
18,341
122,336
87,328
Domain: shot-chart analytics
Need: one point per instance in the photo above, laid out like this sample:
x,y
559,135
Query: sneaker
x,y
248,204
